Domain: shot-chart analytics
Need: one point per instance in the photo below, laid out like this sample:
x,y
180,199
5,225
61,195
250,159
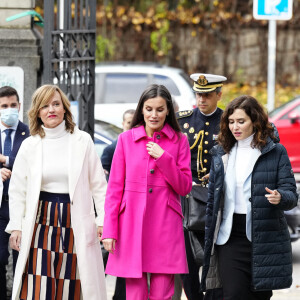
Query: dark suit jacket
x,y
22,133
107,155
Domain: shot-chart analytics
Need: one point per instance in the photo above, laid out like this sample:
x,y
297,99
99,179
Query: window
x,y
280,108
168,83
121,88
286,116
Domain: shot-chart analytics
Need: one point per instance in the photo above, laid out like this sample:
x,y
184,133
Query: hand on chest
x,y
138,159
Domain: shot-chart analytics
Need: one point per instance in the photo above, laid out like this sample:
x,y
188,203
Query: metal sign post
x,y
271,64
272,10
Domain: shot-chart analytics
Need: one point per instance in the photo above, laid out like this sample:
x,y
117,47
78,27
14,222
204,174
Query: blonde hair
x,y
40,98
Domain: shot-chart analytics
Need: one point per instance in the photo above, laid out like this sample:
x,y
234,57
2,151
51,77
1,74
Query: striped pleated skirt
x,y
51,271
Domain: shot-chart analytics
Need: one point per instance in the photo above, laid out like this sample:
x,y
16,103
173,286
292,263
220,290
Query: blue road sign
x,y
273,9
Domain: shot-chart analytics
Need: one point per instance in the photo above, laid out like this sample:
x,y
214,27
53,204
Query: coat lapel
x,y
36,165
225,161
77,149
230,173
248,171
19,137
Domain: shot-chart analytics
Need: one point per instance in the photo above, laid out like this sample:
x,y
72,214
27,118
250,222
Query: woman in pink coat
x,y
143,220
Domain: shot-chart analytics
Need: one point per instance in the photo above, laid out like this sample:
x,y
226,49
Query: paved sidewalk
x,y
292,293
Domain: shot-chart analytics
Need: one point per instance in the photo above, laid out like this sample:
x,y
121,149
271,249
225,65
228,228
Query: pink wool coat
x,y
142,205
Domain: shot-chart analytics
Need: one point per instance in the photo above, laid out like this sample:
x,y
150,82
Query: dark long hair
x,y
153,91
262,128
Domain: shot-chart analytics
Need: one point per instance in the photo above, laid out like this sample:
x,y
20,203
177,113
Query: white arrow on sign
x,y
273,9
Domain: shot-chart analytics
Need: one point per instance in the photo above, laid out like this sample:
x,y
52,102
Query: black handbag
x,y
195,208
196,248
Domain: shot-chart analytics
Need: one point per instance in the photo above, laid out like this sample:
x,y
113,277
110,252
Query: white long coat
x,y
86,182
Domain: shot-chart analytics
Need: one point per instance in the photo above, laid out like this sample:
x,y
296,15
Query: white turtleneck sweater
x,y
245,160
55,159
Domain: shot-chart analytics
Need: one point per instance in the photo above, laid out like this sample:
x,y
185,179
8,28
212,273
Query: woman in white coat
x,y
56,185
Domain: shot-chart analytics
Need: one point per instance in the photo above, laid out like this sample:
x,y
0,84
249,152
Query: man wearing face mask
x,y
13,132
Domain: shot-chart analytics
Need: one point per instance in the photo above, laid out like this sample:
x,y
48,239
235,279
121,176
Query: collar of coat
x,y
219,151
140,132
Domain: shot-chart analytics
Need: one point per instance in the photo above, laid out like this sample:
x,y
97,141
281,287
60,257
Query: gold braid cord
x,y
200,136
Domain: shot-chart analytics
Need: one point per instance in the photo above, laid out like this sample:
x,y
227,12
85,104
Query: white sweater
x,y
55,147
245,160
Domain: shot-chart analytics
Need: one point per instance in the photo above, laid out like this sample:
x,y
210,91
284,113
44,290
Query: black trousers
x,y
120,289
191,281
235,264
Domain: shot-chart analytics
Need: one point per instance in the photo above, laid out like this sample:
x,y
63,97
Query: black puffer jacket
x,y
271,246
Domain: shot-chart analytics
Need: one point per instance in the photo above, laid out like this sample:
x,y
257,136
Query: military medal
x,y
192,130
186,125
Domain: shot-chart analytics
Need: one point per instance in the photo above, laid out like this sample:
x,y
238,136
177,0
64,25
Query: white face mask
x,y
9,116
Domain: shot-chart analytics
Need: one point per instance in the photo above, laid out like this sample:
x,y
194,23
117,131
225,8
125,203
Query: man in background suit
x,y
108,152
13,132
201,126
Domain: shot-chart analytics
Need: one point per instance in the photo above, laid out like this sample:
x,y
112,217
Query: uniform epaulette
x,y
184,113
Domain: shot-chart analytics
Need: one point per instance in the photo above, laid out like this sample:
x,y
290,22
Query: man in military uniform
x,y
201,126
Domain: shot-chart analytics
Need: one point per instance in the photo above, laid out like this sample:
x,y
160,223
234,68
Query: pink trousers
x,y
161,287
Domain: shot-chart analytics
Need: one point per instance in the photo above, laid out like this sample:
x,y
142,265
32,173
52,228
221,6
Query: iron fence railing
x,y
69,53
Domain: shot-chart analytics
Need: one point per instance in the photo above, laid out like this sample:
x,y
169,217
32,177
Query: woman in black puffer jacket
x,y
247,242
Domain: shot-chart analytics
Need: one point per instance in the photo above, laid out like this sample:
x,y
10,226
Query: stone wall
x,y
241,54
20,46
